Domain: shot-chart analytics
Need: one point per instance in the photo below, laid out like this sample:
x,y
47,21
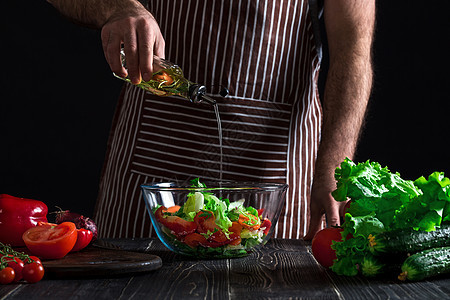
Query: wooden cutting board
x,y
94,261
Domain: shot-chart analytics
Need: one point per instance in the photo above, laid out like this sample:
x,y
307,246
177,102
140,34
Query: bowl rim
x,y
215,185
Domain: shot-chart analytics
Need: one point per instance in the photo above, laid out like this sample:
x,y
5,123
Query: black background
x,y
58,97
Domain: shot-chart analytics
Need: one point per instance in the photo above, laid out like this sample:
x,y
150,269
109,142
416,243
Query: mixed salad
x,y
207,226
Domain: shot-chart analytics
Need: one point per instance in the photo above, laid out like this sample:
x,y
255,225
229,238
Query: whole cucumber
x,y
409,240
425,264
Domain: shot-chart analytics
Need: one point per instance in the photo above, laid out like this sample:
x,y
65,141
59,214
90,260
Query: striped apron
x,y
265,52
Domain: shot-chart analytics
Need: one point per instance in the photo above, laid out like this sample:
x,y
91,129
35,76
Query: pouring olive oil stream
x,y
168,80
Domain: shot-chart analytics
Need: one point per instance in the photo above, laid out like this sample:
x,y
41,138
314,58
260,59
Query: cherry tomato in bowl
x,y
321,245
51,241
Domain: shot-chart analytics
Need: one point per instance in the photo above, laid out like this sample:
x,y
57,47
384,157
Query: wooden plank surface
x,y
99,262
283,269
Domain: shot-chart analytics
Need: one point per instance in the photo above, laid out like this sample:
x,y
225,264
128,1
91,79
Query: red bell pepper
x,y
84,237
17,215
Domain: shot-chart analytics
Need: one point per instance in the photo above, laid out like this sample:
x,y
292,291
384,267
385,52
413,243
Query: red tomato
x,y
179,226
33,272
17,265
84,237
321,245
51,241
260,211
235,233
267,224
7,275
195,239
206,223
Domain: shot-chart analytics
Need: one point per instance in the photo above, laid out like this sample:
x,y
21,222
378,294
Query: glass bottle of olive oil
x,y
168,80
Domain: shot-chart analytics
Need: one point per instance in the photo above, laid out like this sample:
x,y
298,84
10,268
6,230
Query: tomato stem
x,y
9,254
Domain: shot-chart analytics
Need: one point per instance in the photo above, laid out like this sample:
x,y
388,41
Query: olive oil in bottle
x,y
168,80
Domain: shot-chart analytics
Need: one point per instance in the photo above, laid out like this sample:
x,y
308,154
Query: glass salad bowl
x,y
214,220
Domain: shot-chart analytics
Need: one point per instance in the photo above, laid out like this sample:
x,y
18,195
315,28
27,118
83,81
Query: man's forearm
x,y
93,13
349,82
345,103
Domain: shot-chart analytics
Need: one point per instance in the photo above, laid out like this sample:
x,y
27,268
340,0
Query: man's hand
x,y
123,22
137,30
323,203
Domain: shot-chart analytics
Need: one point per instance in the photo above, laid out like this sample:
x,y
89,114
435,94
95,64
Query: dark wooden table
x,y
283,269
